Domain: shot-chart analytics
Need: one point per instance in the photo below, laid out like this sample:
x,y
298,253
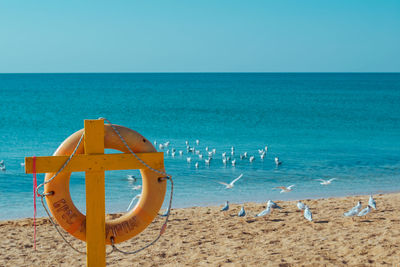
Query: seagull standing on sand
x,y
226,207
285,189
165,213
307,213
242,212
273,205
326,182
371,202
231,184
364,211
264,212
300,205
354,211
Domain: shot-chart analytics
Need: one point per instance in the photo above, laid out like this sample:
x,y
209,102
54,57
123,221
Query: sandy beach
x,y
204,236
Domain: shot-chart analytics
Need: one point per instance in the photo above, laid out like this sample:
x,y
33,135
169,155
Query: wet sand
x,y
204,236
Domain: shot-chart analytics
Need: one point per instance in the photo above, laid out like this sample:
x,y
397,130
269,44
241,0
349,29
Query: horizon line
x,y
216,72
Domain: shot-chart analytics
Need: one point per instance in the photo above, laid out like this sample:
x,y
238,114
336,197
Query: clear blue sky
x,y
200,36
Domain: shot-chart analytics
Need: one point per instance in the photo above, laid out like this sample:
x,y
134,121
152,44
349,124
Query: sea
x,y
320,126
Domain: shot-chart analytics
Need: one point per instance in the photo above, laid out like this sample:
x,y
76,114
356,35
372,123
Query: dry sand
x,y
204,236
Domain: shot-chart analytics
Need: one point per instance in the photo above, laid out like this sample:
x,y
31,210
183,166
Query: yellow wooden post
x,y
94,162
95,197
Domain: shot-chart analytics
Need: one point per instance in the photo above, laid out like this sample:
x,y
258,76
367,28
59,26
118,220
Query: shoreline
x,y
207,237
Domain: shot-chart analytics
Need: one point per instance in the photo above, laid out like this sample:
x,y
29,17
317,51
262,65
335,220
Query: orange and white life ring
x,y
126,226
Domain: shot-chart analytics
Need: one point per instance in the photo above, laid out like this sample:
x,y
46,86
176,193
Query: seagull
x,y
277,162
197,142
207,161
241,156
214,151
180,152
224,154
365,211
273,205
261,151
2,163
251,159
168,152
285,189
166,144
207,148
233,162
210,154
262,156
188,159
266,149
355,210
300,205
131,177
173,154
307,213
137,187
161,146
230,185
326,182
224,160
245,155
2,168
371,202
196,165
242,212
187,143
264,212
226,207
133,199
155,142
165,213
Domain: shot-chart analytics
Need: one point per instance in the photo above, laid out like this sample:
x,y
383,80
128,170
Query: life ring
x,y
126,226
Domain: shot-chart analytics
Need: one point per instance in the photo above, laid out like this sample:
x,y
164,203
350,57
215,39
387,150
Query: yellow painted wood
x,y
95,197
102,162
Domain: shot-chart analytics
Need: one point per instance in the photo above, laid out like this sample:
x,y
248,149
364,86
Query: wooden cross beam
x,y
94,162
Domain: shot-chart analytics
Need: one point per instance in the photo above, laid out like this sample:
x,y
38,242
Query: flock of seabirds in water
x,y
226,158
230,159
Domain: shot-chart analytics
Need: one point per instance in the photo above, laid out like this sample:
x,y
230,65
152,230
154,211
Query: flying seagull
x,y
231,184
326,182
133,199
285,189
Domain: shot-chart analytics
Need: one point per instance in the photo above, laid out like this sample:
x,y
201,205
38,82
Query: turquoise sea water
x,y
320,125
